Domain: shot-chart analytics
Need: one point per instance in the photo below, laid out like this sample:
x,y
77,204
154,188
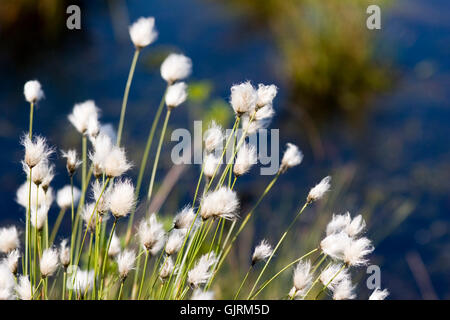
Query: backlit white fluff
x,y
116,163
48,178
23,288
185,218
64,254
344,290
266,94
302,277
81,115
379,294
319,190
213,137
332,271
102,149
93,128
88,215
72,161
166,269
81,281
49,262
43,174
201,272
36,150
176,94
64,196
176,67
114,247
210,163
291,158
356,226
151,234
199,294
9,239
222,203
7,283
262,251
243,98
143,32
125,262
103,201
44,198
39,216
245,158
175,241
33,91
338,223
12,260
335,244
121,198
356,250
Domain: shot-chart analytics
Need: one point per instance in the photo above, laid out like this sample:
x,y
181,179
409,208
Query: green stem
x,y
28,223
31,120
64,285
147,253
125,96
121,289
242,283
105,258
158,152
277,246
331,280
57,225
318,277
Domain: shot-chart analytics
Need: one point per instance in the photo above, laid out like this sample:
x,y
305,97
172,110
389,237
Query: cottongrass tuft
x,y
151,234
125,263
7,282
344,290
81,115
199,294
114,248
379,294
12,261
262,251
9,239
23,288
167,269
185,218
222,203
319,190
81,281
302,278
201,272
64,254
43,198
49,262
175,241
39,216
245,158
36,150
333,271
356,250
292,157
116,164
143,32
72,162
243,98
64,197
266,94
121,198
213,137
176,67
32,91
210,163
176,94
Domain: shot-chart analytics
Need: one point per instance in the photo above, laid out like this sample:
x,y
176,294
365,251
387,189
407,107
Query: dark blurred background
x,y
369,107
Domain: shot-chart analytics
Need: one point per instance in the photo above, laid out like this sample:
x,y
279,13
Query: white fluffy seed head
x,y
143,32
39,216
36,150
121,198
151,234
262,251
334,244
9,239
125,263
201,272
245,158
213,137
210,163
102,199
81,115
319,190
333,271
93,128
356,250
7,282
243,98
12,260
64,196
23,288
114,248
222,203
175,241
379,294
116,164
344,290
199,294
64,253
102,148
44,198
176,94
72,162
81,281
88,216
33,91
49,262
176,67
302,276
184,218
338,223
266,94
166,269
291,158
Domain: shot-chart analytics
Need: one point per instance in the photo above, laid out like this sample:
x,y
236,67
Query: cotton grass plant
x,y
150,260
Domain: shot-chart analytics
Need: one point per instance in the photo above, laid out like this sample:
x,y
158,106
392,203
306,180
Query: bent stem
x,y
331,280
158,152
125,95
277,246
